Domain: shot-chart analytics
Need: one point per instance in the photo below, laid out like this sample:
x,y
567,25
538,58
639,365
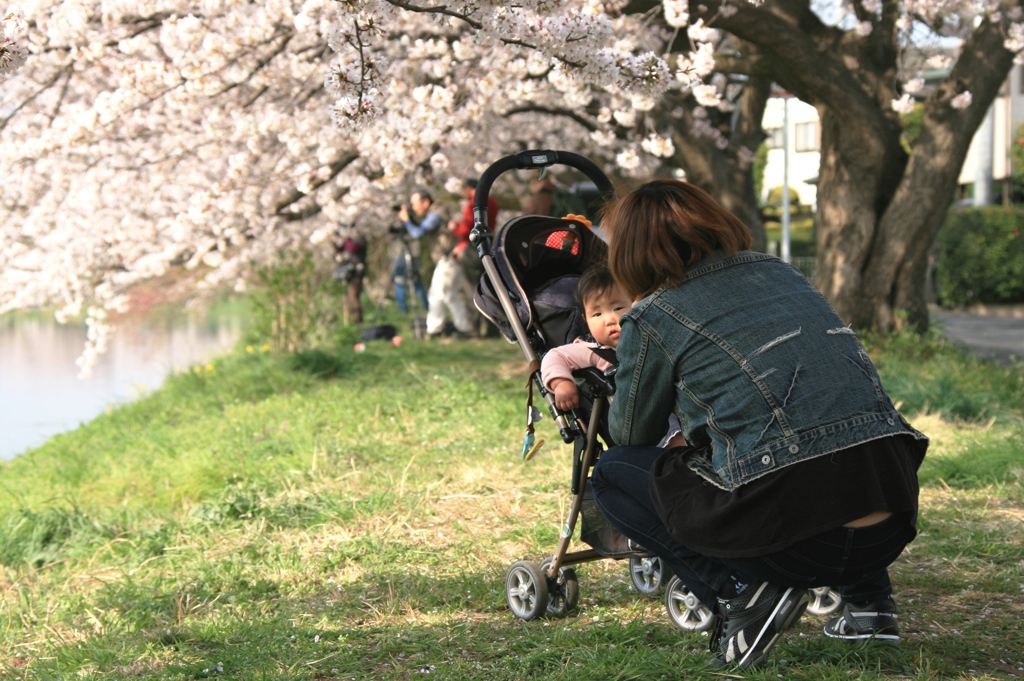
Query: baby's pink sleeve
x,y
559,362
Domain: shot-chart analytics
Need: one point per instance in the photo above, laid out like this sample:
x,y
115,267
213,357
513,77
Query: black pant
x,y
853,559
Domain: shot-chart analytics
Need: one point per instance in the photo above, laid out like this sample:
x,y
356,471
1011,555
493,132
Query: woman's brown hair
x,y
658,230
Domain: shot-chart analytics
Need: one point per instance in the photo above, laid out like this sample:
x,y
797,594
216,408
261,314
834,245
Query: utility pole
x,y
985,139
784,241
784,247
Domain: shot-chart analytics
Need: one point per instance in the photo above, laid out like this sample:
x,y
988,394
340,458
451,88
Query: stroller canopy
x,y
540,260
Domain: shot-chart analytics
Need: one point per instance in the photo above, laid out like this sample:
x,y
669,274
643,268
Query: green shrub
x,y
775,196
760,163
801,232
912,123
981,257
296,304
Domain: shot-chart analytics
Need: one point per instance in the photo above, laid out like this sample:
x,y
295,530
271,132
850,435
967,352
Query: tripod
x,y
405,272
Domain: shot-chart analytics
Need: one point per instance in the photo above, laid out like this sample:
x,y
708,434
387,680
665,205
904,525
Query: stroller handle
x,y
536,158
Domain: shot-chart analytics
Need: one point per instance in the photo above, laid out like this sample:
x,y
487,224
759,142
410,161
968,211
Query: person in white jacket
x,y
447,292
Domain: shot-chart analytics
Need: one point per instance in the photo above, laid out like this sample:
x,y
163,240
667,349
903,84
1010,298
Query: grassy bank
x,y
352,516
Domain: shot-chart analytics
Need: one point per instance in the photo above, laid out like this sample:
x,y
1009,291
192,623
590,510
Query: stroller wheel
x,y
563,592
647,575
526,589
824,601
685,611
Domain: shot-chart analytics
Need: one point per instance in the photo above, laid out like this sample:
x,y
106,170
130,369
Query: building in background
x,y
986,175
803,139
988,160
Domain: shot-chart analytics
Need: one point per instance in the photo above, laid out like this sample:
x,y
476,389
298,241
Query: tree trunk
x,y
850,192
725,173
878,210
879,282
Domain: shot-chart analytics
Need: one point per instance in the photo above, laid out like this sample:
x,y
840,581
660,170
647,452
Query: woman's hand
x,y
566,395
677,441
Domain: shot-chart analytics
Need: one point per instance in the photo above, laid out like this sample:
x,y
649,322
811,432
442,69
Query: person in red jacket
x,y
462,228
464,252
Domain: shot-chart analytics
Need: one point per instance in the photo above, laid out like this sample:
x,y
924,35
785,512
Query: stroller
x,y
531,268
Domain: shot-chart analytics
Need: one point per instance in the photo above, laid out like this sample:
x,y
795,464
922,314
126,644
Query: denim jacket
x,y
760,370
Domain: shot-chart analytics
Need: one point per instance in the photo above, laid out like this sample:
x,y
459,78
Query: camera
x,y
396,207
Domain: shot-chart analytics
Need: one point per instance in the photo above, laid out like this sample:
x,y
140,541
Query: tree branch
x,y
550,111
751,64
806,56
262,63
147,24
438,9
24,103
296,194
70,72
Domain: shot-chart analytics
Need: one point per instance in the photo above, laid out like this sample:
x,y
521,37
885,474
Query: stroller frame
x,y
552,587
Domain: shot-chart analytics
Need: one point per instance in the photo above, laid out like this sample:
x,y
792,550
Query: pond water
x,y
40,391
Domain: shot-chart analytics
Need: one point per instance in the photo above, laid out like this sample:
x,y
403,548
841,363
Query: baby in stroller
x,y
603,302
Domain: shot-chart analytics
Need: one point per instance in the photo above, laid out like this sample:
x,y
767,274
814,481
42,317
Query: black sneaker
x,y
875,620
753,622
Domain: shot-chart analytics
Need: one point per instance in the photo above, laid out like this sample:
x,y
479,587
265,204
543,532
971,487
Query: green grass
x,y
343,515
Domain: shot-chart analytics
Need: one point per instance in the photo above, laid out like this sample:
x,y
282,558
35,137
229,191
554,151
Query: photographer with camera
x,y
415,221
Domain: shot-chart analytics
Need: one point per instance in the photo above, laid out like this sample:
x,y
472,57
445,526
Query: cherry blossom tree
x,y
879,207
588,67
209,136
146,136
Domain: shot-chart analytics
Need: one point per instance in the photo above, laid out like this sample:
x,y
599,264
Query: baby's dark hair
x,y
594,281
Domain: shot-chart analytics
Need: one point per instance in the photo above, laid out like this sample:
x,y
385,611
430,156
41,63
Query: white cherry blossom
x,y
677,13
658,146
13,54
903,105
914,85
962,100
